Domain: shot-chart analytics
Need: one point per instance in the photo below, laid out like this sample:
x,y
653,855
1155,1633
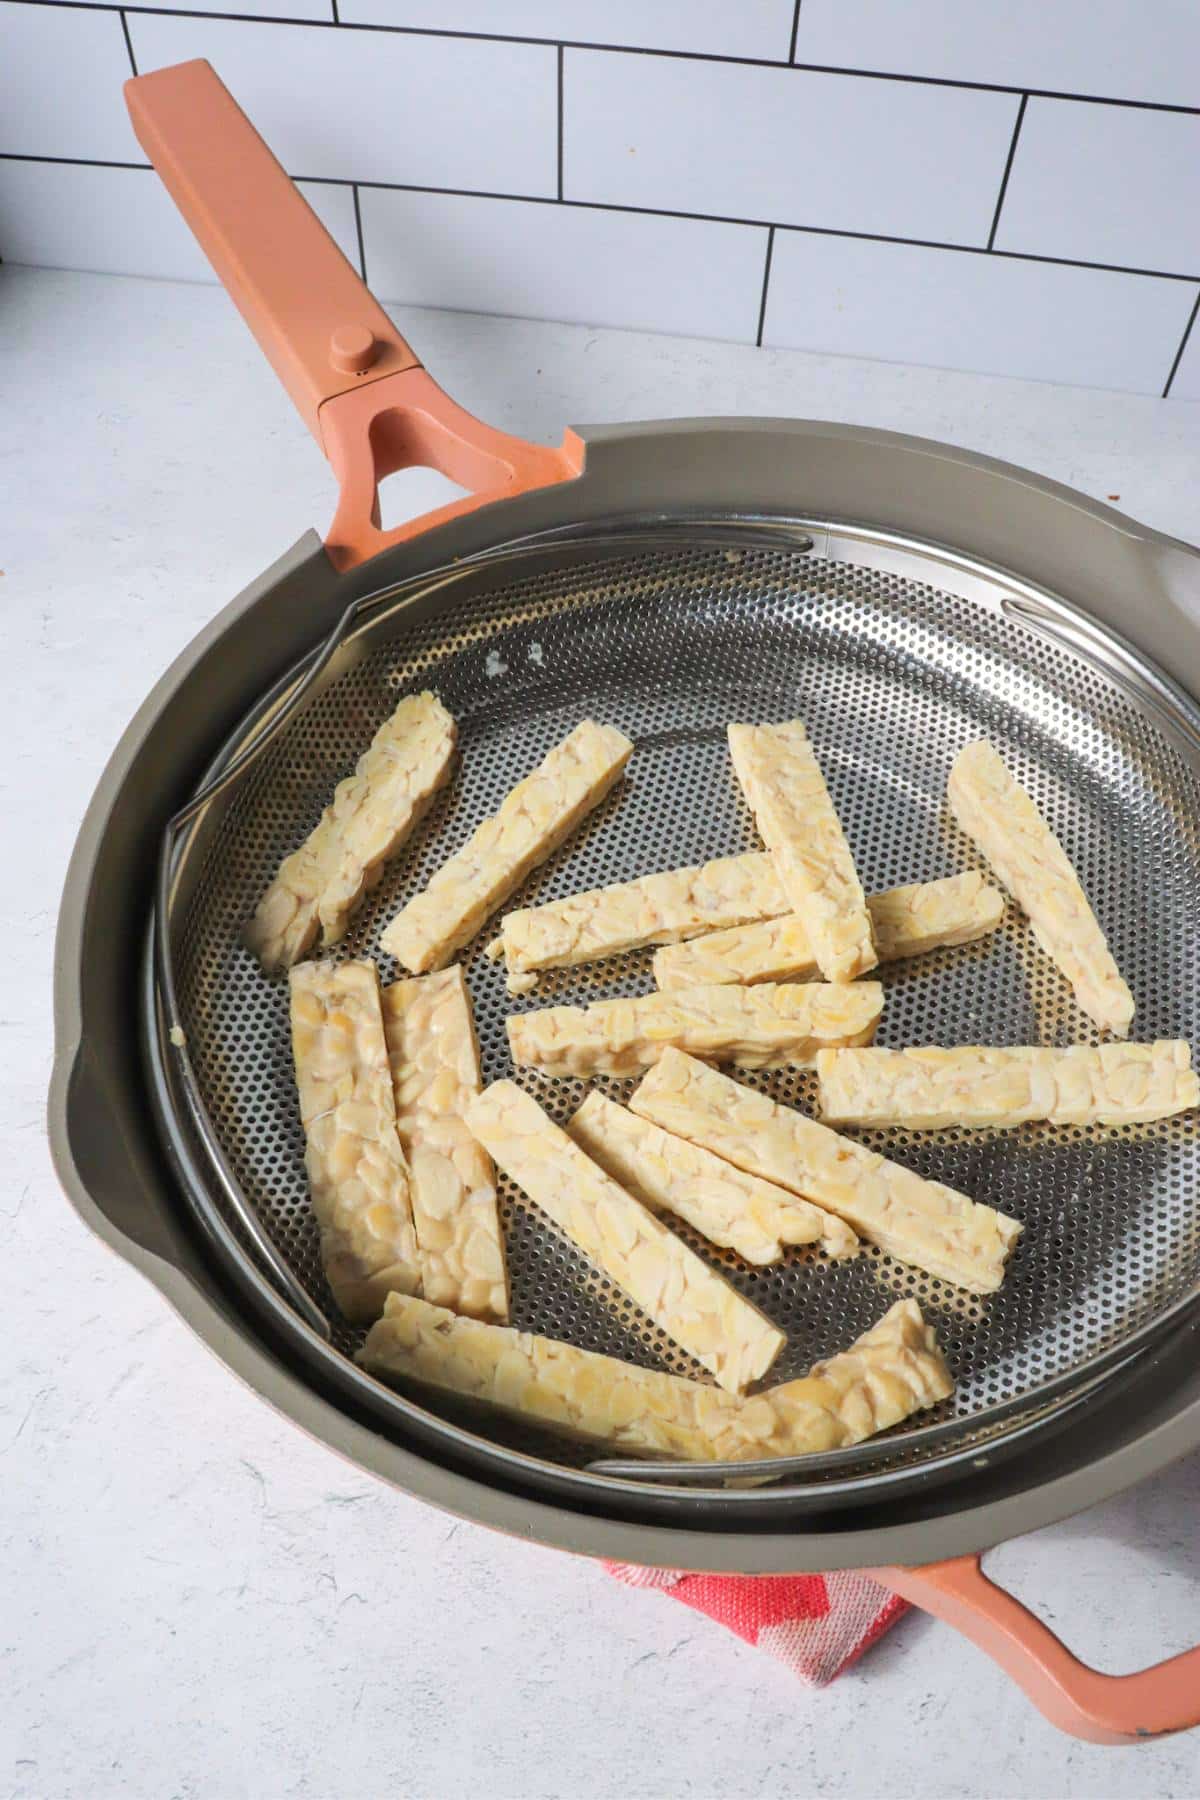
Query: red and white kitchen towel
x,y
817,1625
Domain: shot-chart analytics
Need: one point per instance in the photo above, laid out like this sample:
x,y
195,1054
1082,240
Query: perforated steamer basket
x,y
902,598
669,636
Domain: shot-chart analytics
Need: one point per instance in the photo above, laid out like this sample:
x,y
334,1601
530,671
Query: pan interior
x,y
891,676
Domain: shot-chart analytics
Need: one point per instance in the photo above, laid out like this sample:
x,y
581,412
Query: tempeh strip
x,y
930,1089
921,1222
356,1169
1000,816
434,1060
892,1371
786,792
524,1376
758,1028
371,815
908,921
655,909
733,1209
684,1297
533,820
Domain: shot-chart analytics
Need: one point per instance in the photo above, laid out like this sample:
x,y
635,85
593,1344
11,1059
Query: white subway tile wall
x,y
787,146
380,105
1145,50
1111,184
60,85
758,28
964,310
1006,189
693,277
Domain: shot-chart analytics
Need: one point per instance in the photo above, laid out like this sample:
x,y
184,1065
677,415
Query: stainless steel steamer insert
x,y
668,636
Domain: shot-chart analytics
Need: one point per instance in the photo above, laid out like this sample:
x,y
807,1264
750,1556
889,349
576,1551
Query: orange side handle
x,y
1105,1709
357,385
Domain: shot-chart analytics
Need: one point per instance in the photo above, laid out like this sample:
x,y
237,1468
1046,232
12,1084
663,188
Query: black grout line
x,y
76,162
870,237
1075,262
662,212
754,62
1183,344
128,42
560,121
336,20
762,307
791,55
1012,151
362,253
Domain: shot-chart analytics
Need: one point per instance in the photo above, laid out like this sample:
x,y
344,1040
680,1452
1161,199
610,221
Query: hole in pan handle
x,y
1105,1709
357,385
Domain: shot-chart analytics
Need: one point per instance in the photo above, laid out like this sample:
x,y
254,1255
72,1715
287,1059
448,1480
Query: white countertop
x,y
197,1601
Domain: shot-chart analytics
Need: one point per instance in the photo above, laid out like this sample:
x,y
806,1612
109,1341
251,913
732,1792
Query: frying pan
x,y
667,577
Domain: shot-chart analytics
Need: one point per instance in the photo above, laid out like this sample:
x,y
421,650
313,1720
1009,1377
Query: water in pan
x,y
891,678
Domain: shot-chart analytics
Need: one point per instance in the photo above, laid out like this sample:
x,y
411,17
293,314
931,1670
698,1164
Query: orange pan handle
x,y
358,386
1106,1709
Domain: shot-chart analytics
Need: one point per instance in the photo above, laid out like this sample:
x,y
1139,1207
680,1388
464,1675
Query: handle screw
x,y
352,349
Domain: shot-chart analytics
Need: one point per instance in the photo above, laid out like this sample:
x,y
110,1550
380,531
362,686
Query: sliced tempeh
x,y
529,1377
758,1028
356,1169
926,915
931,915
371,815
533,820
435,1075
730,909
921,1222
655,909
743,956
786,792
681,1294
929,1089
995,810
892,1371
733,1209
